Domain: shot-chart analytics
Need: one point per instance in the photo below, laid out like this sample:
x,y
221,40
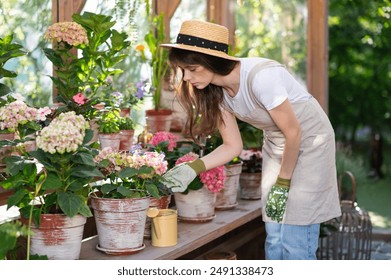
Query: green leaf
x,y
127,172
16,198
152,190
107,188
4,89
84,158
52,182
9,233
54,57
85,211
124,191
70,203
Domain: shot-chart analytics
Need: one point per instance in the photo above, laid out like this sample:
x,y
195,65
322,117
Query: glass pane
x,y
275,29
27,21
186,10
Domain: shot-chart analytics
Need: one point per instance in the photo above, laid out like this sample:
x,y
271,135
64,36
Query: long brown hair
x,y
202,106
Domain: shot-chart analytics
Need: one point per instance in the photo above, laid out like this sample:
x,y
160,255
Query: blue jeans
x,y
291,242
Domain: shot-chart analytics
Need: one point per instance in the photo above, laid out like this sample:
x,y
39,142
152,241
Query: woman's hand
x,y
180,176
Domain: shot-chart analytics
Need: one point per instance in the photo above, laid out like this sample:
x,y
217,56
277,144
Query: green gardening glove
x,y
276,199
180,176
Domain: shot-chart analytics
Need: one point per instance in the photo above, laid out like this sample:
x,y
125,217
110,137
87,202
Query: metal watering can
x,y
164,227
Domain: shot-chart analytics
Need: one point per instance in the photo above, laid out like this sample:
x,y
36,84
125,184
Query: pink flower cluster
x,y
136,159
18,113
71,33
162,136
64,134
213,178
114,159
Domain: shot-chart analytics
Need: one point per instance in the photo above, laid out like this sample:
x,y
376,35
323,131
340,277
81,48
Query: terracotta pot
x,y
227,197
58,236
120,224
250,185
126,140
124,112
109,140
159,203
196,206
158,120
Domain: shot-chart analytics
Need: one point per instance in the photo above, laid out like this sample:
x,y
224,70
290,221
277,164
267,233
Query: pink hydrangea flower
x,y
71,33
162,136
18,113
136,159
185,158
213,179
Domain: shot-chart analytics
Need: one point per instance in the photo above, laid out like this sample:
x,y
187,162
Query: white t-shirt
x,y
271,86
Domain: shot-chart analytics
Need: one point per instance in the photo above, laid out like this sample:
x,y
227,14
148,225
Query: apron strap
x,y
257,68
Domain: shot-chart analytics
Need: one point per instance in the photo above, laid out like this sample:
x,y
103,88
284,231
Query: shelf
x,y
190,235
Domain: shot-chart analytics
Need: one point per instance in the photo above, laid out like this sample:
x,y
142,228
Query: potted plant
x,y
226,198
126,127
121,201
197,202
18,125
158,118
124,100
108,122
51,186
251,177
101,48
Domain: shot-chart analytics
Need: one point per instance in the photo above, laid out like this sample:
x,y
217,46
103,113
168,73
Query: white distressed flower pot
x,y
58,236
120,224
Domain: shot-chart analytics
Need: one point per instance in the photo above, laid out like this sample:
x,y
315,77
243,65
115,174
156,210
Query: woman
x,y
298,150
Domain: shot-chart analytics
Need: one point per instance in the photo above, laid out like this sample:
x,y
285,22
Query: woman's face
x,y
197,75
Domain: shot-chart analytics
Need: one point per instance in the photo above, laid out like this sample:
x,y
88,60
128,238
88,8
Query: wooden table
x,y
190,235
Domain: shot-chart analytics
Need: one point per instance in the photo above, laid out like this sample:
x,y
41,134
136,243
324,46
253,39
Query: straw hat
x,y
203,37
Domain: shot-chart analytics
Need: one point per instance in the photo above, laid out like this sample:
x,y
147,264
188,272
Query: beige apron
x,y
313,196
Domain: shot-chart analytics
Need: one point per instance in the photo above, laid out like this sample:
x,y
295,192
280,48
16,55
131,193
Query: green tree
x,y
359,66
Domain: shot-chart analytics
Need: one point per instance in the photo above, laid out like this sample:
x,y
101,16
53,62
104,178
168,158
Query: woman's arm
x,y
287,122
232,143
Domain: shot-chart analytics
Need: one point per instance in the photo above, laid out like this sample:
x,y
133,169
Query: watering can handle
x,y
156,227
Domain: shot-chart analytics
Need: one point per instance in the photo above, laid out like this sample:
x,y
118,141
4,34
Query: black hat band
x,y
201,42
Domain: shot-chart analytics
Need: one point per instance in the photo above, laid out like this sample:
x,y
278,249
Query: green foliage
x,y
59,184
90,72
9,233
159,56
359,66
131,184
27,20
126,123
109,121
8,50
274,29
